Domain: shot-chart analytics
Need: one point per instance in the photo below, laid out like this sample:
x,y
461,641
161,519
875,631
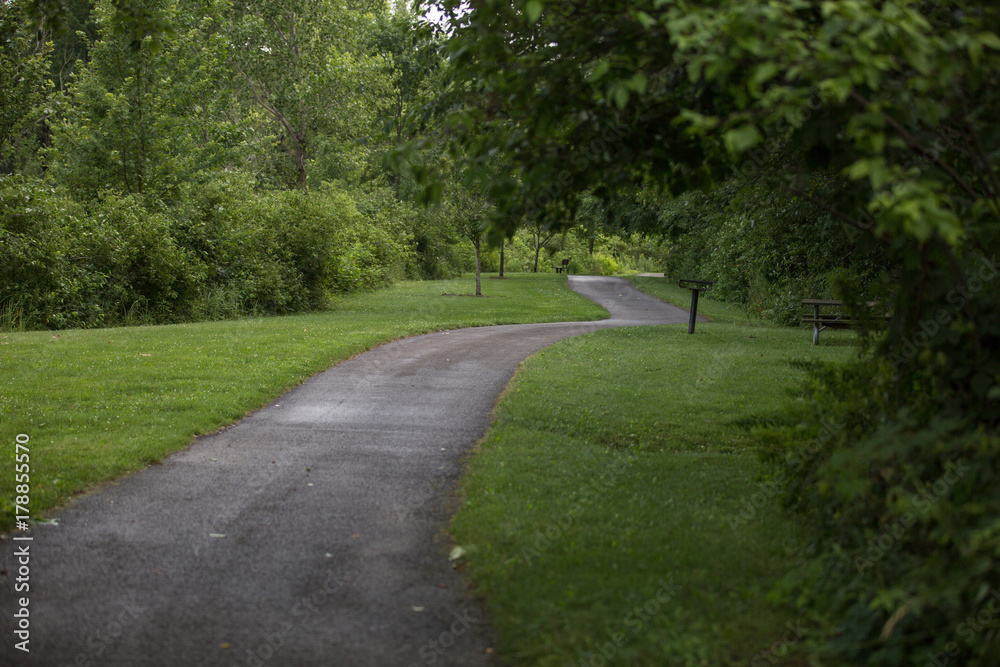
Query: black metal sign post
x,y
695,286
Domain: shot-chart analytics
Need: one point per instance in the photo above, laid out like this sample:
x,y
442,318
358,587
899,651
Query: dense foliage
x,y
874,119
184,160
173,160
147,181
765,249
225,251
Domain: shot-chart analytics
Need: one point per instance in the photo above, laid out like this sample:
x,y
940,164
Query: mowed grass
x,y
100,403
598,514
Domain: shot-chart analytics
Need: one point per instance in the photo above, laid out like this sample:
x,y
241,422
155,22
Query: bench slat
x,y
834,324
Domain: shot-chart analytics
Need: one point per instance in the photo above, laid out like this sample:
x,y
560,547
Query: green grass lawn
x,y
100,403
598,512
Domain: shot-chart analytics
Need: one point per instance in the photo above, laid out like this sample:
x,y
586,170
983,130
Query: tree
x,y
553,94
503,242
303,64
411,48
24,87
472,208
540,237
140,120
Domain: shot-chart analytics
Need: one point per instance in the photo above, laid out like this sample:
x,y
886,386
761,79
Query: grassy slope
x,y
99,403
597,511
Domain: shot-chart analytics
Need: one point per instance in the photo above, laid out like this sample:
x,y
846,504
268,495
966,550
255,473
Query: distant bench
x,y
563,267
828,314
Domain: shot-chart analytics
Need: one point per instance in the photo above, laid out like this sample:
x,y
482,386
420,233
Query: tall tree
x,y
303,64
142,120
24,86
412,50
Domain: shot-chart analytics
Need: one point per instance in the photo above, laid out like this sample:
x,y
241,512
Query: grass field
x,y
599,513
99,403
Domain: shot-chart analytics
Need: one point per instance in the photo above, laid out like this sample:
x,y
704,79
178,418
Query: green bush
x,y
765,251
42,279
604,265
138,259
223,250
893,460
904,504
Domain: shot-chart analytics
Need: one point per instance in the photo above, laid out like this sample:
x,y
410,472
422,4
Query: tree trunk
x,y
502,243
538,249
399,139
299,144
479,289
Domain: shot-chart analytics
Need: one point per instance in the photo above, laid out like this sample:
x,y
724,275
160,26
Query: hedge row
x,y
223,250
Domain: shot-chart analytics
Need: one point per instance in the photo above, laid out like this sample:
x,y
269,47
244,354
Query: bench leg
x,y
816,329
815,325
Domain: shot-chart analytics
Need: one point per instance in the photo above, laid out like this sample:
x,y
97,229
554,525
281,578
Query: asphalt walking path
x,y
310,533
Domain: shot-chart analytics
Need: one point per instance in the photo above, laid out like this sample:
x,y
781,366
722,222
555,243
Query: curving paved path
x,y
310,533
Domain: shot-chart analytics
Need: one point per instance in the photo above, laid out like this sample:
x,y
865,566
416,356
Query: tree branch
x,y
261,98
802,194
916,146
977,143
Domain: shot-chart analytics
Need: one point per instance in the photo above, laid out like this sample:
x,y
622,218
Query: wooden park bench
x,y
828,314
563,267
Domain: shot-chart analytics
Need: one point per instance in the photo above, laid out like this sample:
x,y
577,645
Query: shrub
x,y
41,278
137,258
223,250
766,251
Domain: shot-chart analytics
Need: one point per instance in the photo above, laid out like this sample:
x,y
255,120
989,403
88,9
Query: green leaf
x,y
645,19
764,72
989,39
533,8
599,71
699,123
838,88
741,138
638,83
620,94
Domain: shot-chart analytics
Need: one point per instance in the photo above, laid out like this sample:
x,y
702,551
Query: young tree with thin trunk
x,y
304,63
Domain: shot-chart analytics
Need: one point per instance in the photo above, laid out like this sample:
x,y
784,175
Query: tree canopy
x,y
876,114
